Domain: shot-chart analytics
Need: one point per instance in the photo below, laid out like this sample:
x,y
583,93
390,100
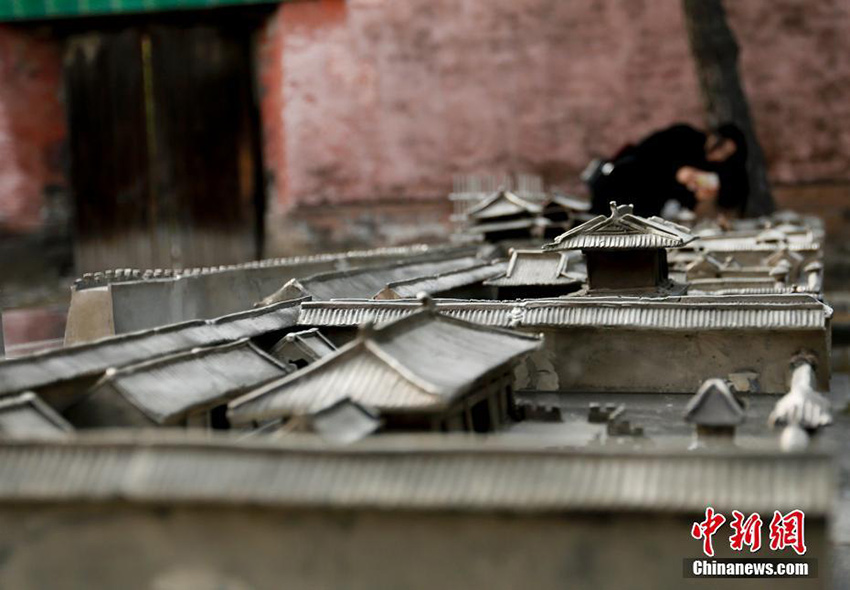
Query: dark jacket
x,y
644,175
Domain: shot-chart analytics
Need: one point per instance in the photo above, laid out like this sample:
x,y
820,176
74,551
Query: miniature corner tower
x,y
624,250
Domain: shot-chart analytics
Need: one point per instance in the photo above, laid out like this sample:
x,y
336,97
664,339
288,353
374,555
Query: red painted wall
x,y
382,99
32,127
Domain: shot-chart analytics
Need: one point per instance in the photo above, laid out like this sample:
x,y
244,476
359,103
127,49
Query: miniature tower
x,y
624,250
715,412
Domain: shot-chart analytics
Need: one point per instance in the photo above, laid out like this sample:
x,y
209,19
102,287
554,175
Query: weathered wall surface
x,y
370,99
85,546
378,103
591,359
390,99
32,129
796,67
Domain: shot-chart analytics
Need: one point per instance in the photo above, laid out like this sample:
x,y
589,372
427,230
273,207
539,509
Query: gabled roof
x,y
714,405
27,415
440,283
503,203
367,282
539,267
310,344
622,230
168,388
422,362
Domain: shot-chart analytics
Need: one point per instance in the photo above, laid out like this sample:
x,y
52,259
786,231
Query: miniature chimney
x,y
715,412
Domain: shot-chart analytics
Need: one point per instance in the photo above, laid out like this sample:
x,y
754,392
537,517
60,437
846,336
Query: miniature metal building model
x,y
464,283
296,350
63,376
629,344
749,249
623,250
391,509
505,216
423,372
185,389
364,283
129,300
344,422
715,412
539,273
26,415
559,212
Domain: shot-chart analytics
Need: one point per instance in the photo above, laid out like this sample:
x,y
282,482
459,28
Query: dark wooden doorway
x,y
164,142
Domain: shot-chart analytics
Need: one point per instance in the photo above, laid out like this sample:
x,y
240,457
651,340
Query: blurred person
x,y
703,172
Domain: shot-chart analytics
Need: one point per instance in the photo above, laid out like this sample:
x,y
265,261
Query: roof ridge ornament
x,y
618,211
803,405
426,301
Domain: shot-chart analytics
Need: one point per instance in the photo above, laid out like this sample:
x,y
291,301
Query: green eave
x,y
11,10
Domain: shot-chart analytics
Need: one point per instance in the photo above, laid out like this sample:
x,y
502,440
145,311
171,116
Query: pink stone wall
x,y
383,99
32,127
376,101
796,67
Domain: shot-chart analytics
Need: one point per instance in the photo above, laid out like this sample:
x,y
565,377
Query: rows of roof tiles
x,y
411,473
679,313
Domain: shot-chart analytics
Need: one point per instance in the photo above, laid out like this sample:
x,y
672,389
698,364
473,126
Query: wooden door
x,y
164,146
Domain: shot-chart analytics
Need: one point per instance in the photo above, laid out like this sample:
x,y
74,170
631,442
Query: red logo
x,y
705,530
747,532
788,531
785,530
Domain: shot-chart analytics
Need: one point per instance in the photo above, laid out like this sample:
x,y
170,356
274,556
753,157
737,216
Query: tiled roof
x,y
536,267
309,344
404,473
503,203
354,372
714,405
567,202
709,312
367,282
442,282
425,360
27,415
168,388
622,230
92,358
726,244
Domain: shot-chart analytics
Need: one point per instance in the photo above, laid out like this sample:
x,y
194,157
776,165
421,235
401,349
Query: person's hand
x,y
704,185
